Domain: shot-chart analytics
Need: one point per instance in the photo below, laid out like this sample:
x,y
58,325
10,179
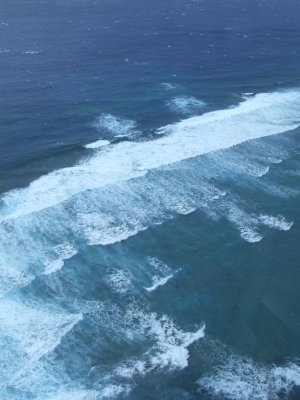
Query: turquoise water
x,y
149,219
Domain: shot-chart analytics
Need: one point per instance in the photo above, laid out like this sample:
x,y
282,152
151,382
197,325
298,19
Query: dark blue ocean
x,y
149,200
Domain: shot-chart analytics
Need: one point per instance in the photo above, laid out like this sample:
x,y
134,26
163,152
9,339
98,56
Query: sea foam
x,y
242,379
278,222
185,105
64,252
119,281
36,220
163,273
158,281
29,335
19,322
117,126
168,86
97,144
259,116
167,346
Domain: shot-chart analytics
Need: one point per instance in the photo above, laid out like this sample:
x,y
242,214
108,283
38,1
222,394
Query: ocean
x,y
149,200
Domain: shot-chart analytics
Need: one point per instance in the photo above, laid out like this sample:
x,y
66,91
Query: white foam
x,y
249,223
185,104
12,276
29,335
158,281
260,115
53,266
95,145
118,126
171,348
274,160
242,379
168,86
158,264
100,228
74,395
183,209
250,235
245,223
164,271
112,391
65,251
278,222
259,170
170,345
34,331
129,369
119,281
45,379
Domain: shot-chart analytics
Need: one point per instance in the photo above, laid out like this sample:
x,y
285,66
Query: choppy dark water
x,y
149,218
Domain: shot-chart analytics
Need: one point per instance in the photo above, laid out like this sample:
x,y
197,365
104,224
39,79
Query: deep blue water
x,y
149,209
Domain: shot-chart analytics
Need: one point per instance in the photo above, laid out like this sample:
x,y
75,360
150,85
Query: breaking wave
x,y
186,105
117,126
259,116
242,379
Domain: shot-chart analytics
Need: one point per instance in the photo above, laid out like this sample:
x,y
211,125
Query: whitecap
x,y
100,228
119,281
64,251
245,223
62,204
168,86
171,344
259,170
12,275
242,379
36,331
118,126
158,264
129,369
260,115
250,235
95,145
53,266
171,349
111,391
164,272
158,281
76,394
31,52
185,104
278,222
